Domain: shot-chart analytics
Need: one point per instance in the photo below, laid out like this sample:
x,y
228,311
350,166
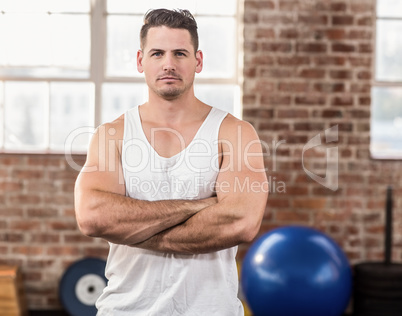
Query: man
x,y
173,185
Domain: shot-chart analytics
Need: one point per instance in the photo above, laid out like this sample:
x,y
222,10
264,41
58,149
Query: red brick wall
x,y
38,230
307,68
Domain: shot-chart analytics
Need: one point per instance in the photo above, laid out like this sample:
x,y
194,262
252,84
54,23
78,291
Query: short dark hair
x,y
175,19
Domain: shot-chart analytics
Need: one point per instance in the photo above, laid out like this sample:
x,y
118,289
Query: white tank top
x,y
144,282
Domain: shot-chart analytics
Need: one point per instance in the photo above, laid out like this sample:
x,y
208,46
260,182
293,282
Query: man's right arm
x,y
102,207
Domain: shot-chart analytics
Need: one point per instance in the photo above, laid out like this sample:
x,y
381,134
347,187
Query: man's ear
x,y
200,58
140,56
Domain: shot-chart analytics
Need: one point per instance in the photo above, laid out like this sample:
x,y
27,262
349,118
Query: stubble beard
x,y
172,92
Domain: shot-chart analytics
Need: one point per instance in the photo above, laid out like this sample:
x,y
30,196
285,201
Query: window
x,y
68,66
386,119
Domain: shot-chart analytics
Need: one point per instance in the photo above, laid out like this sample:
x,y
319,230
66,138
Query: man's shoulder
x,y
113,129
232,124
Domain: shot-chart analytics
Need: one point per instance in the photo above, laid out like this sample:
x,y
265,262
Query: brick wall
x,y
38,230
307,68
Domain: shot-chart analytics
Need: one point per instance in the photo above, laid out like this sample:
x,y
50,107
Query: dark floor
x,y
48,313
62,313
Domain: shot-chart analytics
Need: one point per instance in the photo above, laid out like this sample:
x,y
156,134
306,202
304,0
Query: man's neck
x,y
172,112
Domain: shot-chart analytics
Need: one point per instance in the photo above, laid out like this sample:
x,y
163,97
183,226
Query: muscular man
x,y
174,185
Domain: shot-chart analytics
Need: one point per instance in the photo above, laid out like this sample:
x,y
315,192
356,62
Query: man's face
x,y
169,62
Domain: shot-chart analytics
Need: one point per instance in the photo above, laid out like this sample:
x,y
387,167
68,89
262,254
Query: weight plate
x,y
81,285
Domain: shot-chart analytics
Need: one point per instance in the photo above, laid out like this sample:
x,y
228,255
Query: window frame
x,y
98,77
381,83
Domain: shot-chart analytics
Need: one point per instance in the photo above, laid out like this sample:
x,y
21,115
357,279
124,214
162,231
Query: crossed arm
x,y
175,226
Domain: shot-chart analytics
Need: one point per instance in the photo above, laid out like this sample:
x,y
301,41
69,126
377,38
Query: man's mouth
x,y
169,78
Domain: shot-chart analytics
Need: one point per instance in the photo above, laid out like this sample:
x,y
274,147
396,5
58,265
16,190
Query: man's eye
x,y
180,54
157,54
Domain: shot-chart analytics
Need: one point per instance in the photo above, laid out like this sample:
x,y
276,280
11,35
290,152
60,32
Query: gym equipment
x,y
378,285
12,294
81,285
297,271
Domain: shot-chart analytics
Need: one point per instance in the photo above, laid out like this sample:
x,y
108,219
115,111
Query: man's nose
x,y
169,63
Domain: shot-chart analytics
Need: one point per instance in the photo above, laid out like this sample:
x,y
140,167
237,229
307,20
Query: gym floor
x,y
62,313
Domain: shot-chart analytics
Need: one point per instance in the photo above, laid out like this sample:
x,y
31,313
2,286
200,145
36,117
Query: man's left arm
x,y
242,192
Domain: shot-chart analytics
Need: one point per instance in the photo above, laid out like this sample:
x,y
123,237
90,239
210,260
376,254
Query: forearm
x,y
187,239
124,220
212,229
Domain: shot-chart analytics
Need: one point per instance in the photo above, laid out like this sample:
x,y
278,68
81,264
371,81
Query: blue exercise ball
x,y
296,271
